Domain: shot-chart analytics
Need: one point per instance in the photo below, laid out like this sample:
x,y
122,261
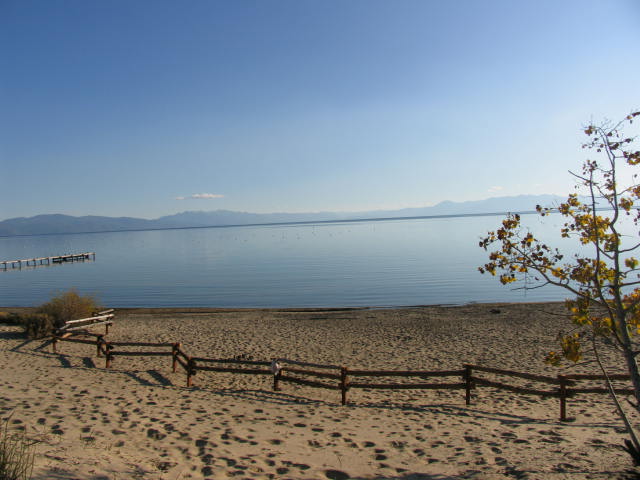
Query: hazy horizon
x,y
318,212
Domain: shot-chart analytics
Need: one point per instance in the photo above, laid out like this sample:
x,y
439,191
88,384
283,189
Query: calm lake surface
x,y
372,263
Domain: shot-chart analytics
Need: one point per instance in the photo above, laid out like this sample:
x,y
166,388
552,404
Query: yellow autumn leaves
x,y
607,303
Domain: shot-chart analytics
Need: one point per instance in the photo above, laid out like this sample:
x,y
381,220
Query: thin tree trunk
x,y
633,446
632,364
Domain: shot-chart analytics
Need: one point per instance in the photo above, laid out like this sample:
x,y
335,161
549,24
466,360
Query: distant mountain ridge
x,y
58,223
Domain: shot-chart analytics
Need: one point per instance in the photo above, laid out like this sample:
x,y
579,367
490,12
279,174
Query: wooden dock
x,y
34,262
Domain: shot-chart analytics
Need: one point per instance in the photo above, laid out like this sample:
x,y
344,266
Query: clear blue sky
x,y
121,108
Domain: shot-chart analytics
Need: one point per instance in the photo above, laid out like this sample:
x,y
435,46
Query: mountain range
x,y
58,223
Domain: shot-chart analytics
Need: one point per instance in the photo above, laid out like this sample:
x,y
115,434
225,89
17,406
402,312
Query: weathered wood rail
x,y
34,262
100,318
333,377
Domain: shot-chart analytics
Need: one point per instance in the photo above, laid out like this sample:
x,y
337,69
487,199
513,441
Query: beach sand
x,y
139,420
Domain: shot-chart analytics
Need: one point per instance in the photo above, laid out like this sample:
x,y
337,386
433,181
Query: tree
x,y
605,284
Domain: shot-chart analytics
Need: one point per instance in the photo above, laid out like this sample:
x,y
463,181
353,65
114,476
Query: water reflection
x,y
384,263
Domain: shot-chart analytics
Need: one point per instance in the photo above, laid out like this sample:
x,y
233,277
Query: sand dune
x,y
138,420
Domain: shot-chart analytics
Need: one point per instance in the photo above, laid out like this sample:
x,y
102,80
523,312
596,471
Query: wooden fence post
x,y
54,342
106,328
99,340
276,369
109,357
563,397
343,384
468,371
276,381
190,371
174,352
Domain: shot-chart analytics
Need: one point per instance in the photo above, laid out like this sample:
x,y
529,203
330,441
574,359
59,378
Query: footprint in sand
x,y
155,434
206,471
336,475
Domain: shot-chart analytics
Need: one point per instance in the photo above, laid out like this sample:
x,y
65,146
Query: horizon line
x,y
304,222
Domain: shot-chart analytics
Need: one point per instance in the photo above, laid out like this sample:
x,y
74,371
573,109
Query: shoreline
x,y
186,310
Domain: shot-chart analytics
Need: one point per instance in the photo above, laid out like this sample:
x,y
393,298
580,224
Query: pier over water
x,y
34,262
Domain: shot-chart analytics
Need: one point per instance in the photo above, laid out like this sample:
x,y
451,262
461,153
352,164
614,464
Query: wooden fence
x,y
100,318
333,377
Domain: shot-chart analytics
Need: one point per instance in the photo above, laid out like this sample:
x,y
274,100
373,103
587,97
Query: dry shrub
x,y
16,454
10,318
68,306
38,325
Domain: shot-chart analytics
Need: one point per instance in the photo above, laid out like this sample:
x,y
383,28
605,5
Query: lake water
x,y
372,263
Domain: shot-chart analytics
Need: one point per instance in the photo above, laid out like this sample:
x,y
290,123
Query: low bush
x,y
10,317
68,306
16,454
51,315
38,325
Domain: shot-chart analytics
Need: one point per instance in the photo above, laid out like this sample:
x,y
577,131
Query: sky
x,y
150,108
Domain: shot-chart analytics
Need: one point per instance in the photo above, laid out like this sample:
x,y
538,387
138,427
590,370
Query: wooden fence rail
x,y
287,361
422,374
503,386
300,371
588,376
407,373
332,377
511,373
112,350
251,371
308,383
102,318
231,360
409,386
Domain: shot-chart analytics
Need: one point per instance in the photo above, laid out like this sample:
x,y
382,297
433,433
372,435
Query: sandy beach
x,y
139,420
